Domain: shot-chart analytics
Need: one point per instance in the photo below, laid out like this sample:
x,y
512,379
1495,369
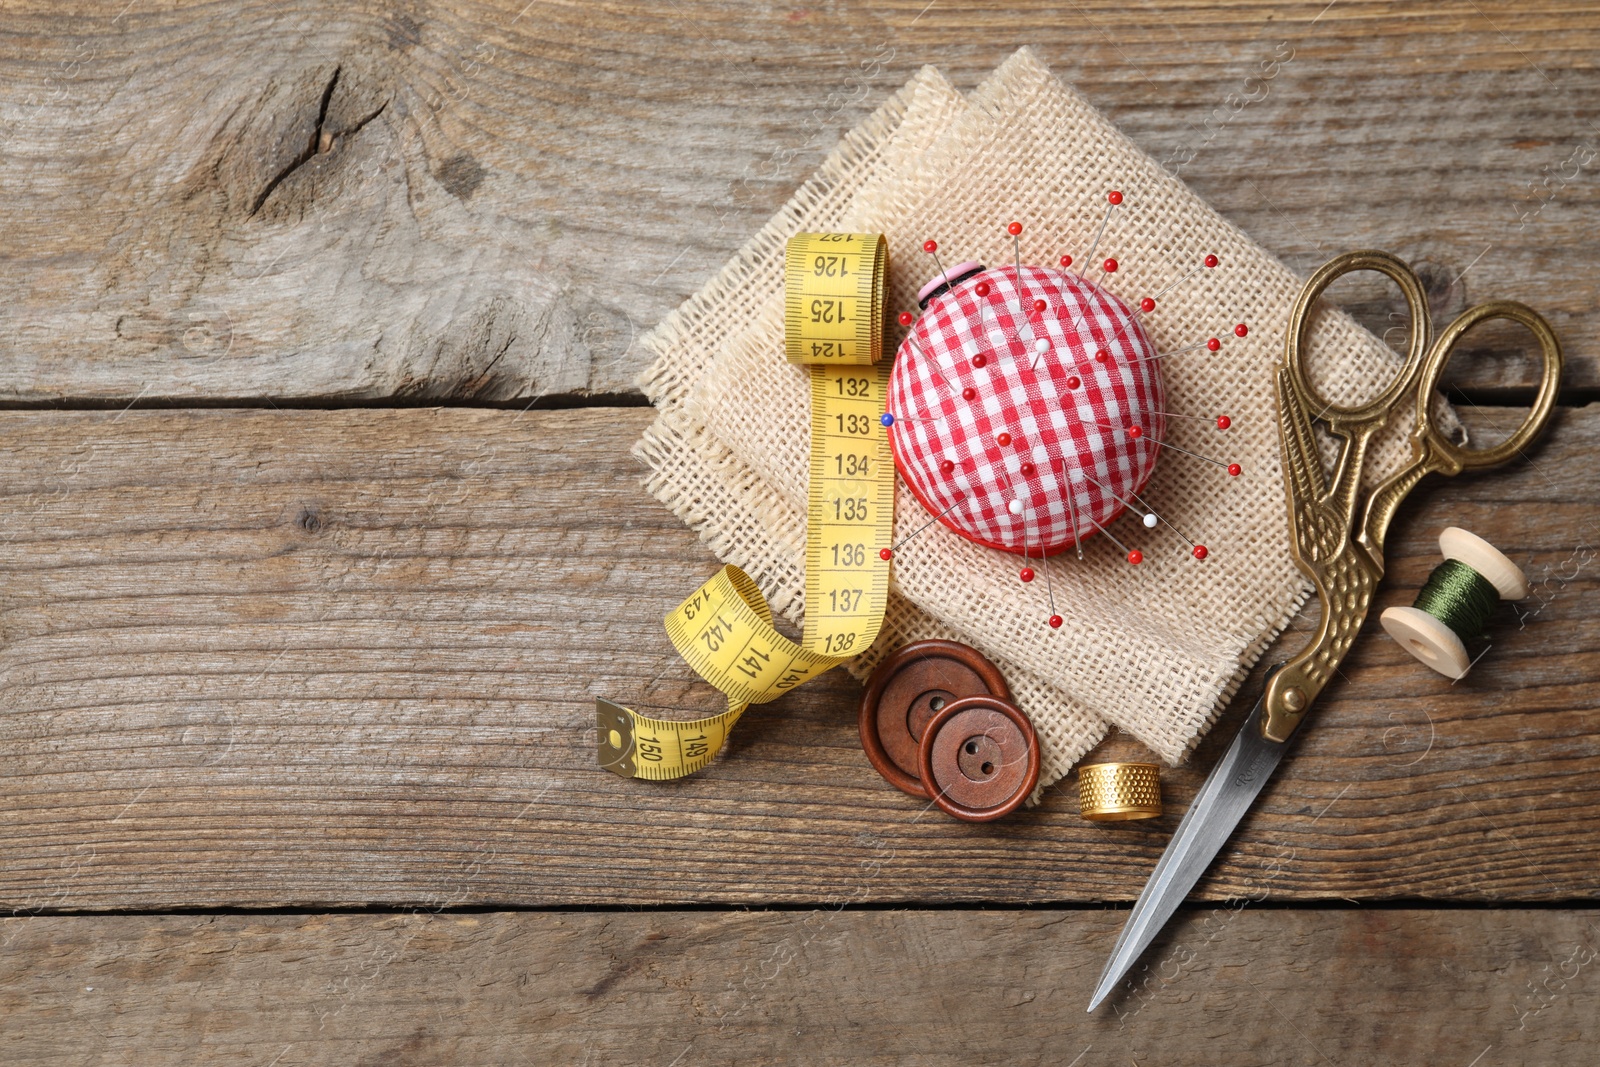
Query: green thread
x,y
1459,597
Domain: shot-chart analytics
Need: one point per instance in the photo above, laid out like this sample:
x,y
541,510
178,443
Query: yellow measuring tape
x,y
833,322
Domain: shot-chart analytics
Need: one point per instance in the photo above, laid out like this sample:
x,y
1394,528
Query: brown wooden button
x,y
979,758
906,691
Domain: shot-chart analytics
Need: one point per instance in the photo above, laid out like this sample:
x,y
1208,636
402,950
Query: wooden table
x,y
321,534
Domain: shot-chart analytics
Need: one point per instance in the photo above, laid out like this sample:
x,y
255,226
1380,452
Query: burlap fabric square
x,y
1156,650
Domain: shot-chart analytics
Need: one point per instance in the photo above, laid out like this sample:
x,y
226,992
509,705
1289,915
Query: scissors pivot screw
x,y
1294,699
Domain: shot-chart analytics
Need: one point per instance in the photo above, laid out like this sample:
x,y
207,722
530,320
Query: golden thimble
x,y
1112,792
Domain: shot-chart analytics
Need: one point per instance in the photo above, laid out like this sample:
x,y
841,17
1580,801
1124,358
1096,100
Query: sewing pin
x,y
1233,469
1027,571
1134,555
1210,344
1148,304
1015,230
1222,421
1200,551
888,553
1050,593
932,248
1113,198
1072,506
1150,518
1041,345
1131,431
888,419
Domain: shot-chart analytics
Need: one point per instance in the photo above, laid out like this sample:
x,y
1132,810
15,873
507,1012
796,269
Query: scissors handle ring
x,y
1300,324
1455,457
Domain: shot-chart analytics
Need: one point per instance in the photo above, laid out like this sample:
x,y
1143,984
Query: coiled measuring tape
x,y
833,322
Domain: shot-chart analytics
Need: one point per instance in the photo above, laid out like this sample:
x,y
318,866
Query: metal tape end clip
x,y
614,737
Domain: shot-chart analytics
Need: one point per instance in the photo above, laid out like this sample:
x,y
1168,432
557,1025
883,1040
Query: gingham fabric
x,y
1063,414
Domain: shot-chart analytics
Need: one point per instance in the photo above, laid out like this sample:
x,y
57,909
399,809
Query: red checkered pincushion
x,y
1018,425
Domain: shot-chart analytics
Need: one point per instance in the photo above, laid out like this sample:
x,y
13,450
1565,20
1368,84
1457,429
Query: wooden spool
x,y
1428,638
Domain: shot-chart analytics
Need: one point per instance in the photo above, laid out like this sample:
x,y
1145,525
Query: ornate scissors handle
x,y
1434,453
1345,561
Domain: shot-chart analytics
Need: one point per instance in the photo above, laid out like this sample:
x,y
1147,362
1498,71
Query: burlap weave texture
x,y
1156,649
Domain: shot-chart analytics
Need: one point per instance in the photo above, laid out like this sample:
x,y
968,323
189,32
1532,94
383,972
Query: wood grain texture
x,y
1237,985
320,658
491,201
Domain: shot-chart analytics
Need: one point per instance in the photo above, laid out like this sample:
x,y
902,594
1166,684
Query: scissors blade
x,y
1226,796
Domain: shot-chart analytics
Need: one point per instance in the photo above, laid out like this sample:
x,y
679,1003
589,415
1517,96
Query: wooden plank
x,y
491,201
349,657
1235,984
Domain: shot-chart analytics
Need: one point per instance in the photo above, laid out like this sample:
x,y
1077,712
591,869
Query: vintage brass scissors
x,y
1337,540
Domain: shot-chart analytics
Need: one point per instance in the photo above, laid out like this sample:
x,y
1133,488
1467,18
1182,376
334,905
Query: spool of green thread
x,y
1455,602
